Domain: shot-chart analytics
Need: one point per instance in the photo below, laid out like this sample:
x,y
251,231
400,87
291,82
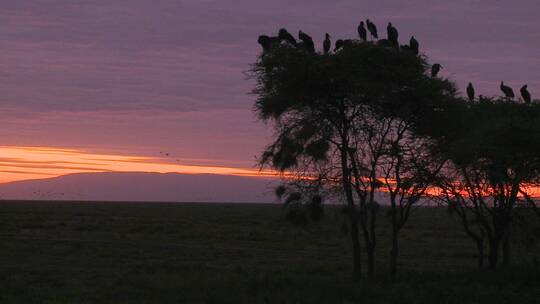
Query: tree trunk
x,y
480,246
357,262
506,249
394,249
347,188
494,253
371,262
394,254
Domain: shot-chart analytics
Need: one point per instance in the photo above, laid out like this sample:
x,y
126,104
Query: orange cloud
x,y
22,163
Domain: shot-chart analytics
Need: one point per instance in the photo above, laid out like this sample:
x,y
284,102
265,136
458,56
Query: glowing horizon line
x,y
37,162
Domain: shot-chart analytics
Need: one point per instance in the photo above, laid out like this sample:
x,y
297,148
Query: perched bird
x,y
414,46
327,44
339,44
372,28
525,94
267,42
284,35
435,69
470,92
306,41
362,32
508,92
392,33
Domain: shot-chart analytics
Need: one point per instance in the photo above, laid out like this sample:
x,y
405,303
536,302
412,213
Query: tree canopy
x,y
309,94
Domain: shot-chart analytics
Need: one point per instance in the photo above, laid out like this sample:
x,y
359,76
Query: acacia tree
x,y
326,108
407,171
393,160
491,166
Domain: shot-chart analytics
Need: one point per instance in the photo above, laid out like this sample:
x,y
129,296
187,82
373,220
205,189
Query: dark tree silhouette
x,y
493,152
328,112
407,171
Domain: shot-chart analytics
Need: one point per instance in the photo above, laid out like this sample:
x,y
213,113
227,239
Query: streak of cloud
x,y
20,163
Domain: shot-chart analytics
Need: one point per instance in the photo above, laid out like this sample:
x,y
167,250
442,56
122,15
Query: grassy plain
x,y
67,252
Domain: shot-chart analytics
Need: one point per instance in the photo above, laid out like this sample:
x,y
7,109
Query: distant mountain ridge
x,y
142,186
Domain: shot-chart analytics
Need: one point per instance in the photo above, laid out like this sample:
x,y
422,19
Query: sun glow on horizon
x,y
24,163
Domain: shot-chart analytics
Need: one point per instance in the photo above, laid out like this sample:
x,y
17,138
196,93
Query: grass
x,y
223,253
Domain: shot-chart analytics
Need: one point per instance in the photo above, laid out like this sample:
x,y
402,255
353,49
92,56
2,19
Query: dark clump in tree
x,y
301,202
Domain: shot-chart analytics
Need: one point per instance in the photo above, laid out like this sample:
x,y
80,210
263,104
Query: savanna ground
x,y
235,253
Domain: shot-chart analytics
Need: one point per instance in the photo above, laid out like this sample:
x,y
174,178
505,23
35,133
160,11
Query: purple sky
x,y
139,77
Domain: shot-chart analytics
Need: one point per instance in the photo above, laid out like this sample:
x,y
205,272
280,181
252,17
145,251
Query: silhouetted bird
x,y
362,32
327,44
284,35
372,28
306,41
392,33
339,45
266,42
413,44
470,92
508,92
525,94
435,69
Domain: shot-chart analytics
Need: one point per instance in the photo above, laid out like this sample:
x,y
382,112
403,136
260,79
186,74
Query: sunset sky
x,y
159,85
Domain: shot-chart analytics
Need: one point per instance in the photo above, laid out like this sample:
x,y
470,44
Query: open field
x,y
223,253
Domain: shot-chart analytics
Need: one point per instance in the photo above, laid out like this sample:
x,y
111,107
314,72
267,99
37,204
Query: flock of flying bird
x,y
306,42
